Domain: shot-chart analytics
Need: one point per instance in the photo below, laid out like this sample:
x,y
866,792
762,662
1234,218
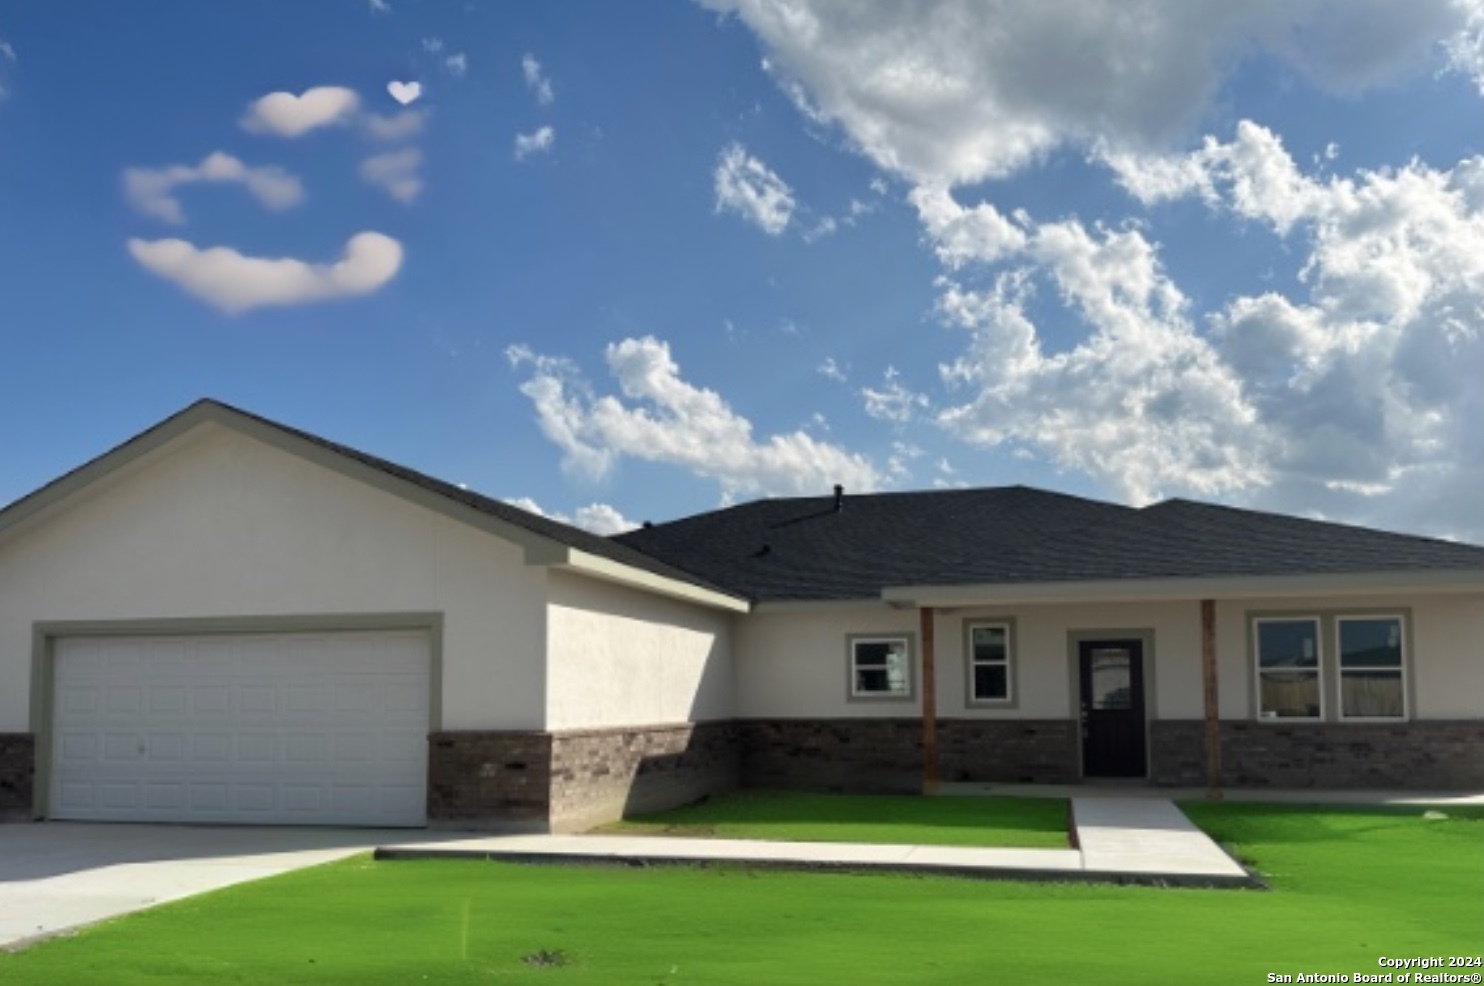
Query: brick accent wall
x,y
866,755
17,776
1022,751
529,781
490,780
885,755
599,775
1419,755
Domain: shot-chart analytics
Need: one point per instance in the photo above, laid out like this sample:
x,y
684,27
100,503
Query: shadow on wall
x,y
600,775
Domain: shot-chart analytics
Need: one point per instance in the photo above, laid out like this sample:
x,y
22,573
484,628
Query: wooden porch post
x,y
1213,702
929,704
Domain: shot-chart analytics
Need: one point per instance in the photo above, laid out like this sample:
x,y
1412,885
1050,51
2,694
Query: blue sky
x,y
620,262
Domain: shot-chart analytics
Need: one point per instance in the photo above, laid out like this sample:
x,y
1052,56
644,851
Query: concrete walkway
x,y
57,876
1118,840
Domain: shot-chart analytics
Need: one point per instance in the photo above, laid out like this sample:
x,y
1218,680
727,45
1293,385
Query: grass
x,y
1037,823
1349,887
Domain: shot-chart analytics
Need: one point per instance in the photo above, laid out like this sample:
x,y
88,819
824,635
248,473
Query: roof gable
x,y
545,541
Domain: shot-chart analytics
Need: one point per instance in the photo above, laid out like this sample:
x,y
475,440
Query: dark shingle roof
x,y
802,549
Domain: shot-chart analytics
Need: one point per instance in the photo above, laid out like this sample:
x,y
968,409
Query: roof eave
x,y
604,569
1435,581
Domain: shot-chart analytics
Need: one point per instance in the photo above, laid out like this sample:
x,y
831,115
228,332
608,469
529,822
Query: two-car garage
x,y
307,728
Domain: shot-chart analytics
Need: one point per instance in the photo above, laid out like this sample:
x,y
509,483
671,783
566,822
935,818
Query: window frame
x,y
1317,622
909,644
1331,672
1401,667
971,699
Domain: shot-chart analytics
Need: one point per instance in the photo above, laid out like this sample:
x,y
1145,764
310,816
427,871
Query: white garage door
x,y
294,729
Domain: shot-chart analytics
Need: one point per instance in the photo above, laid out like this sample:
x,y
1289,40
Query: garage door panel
x,y
293,728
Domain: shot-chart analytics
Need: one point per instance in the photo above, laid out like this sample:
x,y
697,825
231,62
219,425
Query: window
x,y
1331,666
880,667
989,662
1371,685
1288,663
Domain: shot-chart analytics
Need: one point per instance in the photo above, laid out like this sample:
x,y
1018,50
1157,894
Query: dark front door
x,y
1112,708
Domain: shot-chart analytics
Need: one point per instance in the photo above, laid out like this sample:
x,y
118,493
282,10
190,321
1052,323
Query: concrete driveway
x,y
60,875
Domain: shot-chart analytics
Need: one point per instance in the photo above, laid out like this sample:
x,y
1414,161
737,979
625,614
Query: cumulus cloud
x,y
456,64
1354,395
395,173
537,142
536,80
286,115
398,126
152,190
745,186
235,283
599,518
661,417
1143,403
962,235
956,91
1371,379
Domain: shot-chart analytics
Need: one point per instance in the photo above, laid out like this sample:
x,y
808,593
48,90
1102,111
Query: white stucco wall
x,y
1445,656
793,664
220,525
620,657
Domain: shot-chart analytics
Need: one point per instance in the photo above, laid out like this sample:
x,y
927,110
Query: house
x,y
229,620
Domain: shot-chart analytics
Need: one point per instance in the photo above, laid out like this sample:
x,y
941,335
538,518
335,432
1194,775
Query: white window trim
x,y
1257,669
1401,621
856,695
975,700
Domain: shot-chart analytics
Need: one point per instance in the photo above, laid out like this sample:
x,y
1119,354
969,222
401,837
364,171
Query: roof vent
x,y
839,498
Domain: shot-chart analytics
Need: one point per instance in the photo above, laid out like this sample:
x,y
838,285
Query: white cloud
x,y
236,283
536,80
661,417
745,186
6,51
432,45
537,142
405,93
287,115
379,6
1143,404
1371,381
151,190
961,235
827,226
893,402
1356,396
395,172
829,368
398,126
598,518
951,92
457,64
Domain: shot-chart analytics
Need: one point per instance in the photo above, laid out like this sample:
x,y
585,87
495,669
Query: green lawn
x,y
904,819
1349,887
